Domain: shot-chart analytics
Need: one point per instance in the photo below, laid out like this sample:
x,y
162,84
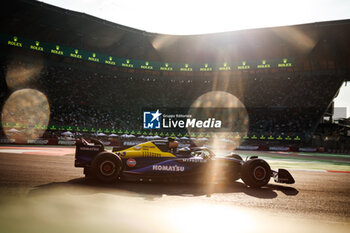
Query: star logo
x,y
156,115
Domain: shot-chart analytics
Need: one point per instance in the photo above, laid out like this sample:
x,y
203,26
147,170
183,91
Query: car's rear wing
x,y
85,151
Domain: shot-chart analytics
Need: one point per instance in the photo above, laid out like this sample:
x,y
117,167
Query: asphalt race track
x,y
41,191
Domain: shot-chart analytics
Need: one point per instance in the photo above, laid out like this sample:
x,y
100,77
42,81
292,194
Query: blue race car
x,y
162,159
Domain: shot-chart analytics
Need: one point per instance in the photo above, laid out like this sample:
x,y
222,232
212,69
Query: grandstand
x,y
98,75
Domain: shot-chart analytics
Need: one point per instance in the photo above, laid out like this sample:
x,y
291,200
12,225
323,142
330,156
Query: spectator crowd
x,y
287,103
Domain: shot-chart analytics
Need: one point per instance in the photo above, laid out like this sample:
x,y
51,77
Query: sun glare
x,y
197,17
211,218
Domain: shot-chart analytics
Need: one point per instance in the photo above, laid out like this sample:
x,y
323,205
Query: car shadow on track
x,y
153,190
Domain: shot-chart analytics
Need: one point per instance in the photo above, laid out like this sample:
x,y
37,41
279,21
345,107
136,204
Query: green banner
x,y
76,53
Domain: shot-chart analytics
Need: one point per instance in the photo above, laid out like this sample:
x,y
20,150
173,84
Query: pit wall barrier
x,y
51,141
55,141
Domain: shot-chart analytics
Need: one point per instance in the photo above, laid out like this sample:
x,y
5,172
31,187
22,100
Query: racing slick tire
x,y
106,167
256,173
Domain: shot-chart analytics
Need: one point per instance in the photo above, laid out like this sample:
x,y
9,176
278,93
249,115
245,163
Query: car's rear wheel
x,y
106,167
256,173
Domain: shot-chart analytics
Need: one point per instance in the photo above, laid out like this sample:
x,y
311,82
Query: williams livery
x,y
163,160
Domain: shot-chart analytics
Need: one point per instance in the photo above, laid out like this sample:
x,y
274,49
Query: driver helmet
x,y
172,143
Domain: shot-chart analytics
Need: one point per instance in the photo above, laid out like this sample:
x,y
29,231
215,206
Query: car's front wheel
x,y
256,173
106,167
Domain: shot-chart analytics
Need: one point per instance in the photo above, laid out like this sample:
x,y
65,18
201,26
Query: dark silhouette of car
x,y
161,159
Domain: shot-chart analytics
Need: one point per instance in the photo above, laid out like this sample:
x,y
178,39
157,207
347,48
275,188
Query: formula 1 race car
x,y
162,159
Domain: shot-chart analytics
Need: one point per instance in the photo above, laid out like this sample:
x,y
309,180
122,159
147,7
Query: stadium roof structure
x,y
321,45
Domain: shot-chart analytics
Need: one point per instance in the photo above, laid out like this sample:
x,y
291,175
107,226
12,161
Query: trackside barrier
x,y
307,149
38,141
54,141
247,148
263,148
279,148
65,142
7,141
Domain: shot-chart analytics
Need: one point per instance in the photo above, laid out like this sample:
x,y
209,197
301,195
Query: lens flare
x,y
19,74
296,38
228,109
27,110
161,42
